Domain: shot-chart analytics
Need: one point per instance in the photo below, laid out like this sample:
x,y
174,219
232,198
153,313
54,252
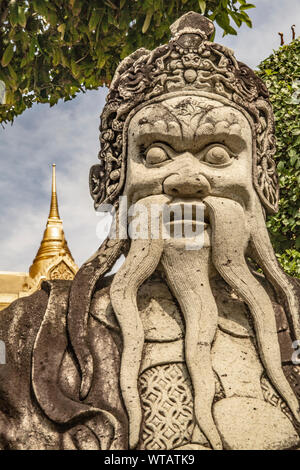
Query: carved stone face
x,y
187,148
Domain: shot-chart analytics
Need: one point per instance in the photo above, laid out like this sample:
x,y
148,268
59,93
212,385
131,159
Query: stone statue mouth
x,y
188,212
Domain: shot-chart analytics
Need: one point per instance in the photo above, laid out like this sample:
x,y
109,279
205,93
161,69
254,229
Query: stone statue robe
x,y
39,385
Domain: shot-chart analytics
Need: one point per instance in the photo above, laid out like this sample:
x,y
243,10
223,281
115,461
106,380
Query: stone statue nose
x,y
177,185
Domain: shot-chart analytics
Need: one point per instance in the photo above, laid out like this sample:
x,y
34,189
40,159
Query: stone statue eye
x,y
156,155
217,155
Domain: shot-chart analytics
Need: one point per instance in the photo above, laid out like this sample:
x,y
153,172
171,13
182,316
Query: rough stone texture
x,y
248,423
186,346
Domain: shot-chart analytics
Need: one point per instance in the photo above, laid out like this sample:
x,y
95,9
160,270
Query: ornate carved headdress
x,y
188,62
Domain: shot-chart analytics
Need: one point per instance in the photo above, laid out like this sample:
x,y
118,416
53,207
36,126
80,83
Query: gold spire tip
x,y
54,214
53,178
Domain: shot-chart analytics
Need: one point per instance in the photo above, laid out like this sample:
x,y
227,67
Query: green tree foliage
x,y
281,73
52,49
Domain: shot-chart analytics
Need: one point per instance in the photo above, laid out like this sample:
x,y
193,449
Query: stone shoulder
x,y
30,306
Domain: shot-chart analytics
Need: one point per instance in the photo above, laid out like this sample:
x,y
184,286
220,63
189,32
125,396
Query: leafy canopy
x,y
52,49
281,73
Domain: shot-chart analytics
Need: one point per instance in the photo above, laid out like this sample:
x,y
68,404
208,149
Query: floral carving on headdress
x,y
188,62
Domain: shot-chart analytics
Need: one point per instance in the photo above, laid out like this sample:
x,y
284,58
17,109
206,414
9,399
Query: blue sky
x,y
68,135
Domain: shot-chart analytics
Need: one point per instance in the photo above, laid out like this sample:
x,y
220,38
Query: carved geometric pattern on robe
x,y
167,403
272,397
294,379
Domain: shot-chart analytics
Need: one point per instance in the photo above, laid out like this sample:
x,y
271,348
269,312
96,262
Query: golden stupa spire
x,y
53,214
53,242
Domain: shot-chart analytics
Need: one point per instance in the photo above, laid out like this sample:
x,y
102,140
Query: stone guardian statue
x,y
185,347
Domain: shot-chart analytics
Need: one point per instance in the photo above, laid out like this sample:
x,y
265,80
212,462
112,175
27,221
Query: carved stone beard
x,y
140,263
187,272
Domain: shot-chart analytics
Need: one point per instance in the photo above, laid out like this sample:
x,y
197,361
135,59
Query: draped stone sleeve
x,y
41,379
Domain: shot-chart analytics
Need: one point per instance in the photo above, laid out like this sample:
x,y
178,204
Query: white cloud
x,y
68,136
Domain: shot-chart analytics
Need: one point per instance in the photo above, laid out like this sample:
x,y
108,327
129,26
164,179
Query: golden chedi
x,y
53,259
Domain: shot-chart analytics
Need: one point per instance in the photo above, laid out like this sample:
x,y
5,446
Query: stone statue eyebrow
x,y
179,142
233,140
174,129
